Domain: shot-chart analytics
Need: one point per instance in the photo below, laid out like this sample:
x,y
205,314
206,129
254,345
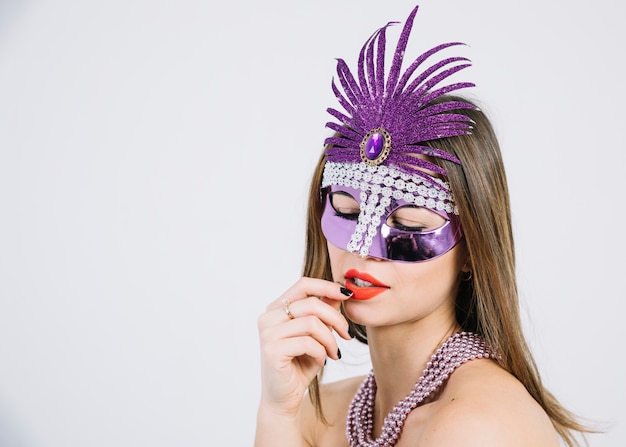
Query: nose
x,y
374,258
368,257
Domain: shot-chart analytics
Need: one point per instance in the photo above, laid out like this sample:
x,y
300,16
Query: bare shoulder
x,y
336,398
483,405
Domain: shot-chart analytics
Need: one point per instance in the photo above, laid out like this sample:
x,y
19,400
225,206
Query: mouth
x,y
363,286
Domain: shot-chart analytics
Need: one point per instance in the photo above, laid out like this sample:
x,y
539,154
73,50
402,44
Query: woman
x,y
410,250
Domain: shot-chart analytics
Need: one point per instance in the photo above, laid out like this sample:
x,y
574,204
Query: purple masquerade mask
x,y
413,238
379,147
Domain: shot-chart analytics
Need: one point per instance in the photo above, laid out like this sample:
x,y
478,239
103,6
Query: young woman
x,y
410,250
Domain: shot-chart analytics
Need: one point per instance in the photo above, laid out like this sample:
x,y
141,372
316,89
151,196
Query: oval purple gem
x,y
374,146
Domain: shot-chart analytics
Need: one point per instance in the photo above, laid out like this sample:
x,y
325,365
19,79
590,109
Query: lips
x,y
363,286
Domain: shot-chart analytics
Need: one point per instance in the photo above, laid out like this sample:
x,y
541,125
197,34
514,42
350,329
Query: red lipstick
x,y
363,293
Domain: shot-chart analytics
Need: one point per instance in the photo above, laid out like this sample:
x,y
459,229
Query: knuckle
x,y
261,320
260,323
315,348
310,324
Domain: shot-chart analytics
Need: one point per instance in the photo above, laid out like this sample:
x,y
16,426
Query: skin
x,y
292,352
480,405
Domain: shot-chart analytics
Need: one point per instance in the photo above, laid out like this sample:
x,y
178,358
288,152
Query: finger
x,y
310,328
305,287
311,306
336,303
298,347
328,314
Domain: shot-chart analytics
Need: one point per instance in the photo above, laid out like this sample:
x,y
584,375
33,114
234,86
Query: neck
x,y
362,423
399,355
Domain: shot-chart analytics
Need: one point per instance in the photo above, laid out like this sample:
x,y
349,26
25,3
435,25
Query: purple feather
x,y
403,104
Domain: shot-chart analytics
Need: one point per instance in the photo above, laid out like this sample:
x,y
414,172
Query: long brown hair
x,y
487,304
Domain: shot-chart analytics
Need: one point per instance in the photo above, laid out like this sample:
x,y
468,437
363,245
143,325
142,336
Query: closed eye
x,y
400,225
345,205
415,218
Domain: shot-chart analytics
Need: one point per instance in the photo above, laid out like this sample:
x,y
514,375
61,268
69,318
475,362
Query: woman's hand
x,y
296,338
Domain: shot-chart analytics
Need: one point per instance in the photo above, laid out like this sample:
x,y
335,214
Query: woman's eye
x,y
345,206
413,218
406,226
348,215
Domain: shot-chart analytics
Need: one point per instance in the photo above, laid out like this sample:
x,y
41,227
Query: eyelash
x,y
351,216
399,226
395,223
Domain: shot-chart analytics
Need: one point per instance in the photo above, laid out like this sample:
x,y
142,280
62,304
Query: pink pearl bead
x,y
455,351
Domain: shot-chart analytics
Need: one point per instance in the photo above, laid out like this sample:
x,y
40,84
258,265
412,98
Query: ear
x,y
464,257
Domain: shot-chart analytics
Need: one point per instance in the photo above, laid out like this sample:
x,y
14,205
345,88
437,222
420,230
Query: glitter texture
x,y
401,104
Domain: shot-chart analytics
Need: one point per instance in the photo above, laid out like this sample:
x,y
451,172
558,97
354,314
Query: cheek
x,y
334,255
437,277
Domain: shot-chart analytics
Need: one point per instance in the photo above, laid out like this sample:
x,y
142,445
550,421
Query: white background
x,y
154,162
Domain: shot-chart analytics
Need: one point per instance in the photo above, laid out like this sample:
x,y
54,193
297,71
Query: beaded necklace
x,y
455,351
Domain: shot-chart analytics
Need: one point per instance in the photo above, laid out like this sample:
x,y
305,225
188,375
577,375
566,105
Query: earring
x,y
466,276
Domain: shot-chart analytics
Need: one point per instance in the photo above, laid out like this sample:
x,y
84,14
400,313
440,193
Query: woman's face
x,y
389,292
412,268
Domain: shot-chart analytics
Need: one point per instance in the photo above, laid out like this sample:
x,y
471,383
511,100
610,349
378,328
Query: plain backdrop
x,y
154,164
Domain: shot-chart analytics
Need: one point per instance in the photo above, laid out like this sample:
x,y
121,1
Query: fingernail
x,y
325,362
350,332
345,291
339,354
